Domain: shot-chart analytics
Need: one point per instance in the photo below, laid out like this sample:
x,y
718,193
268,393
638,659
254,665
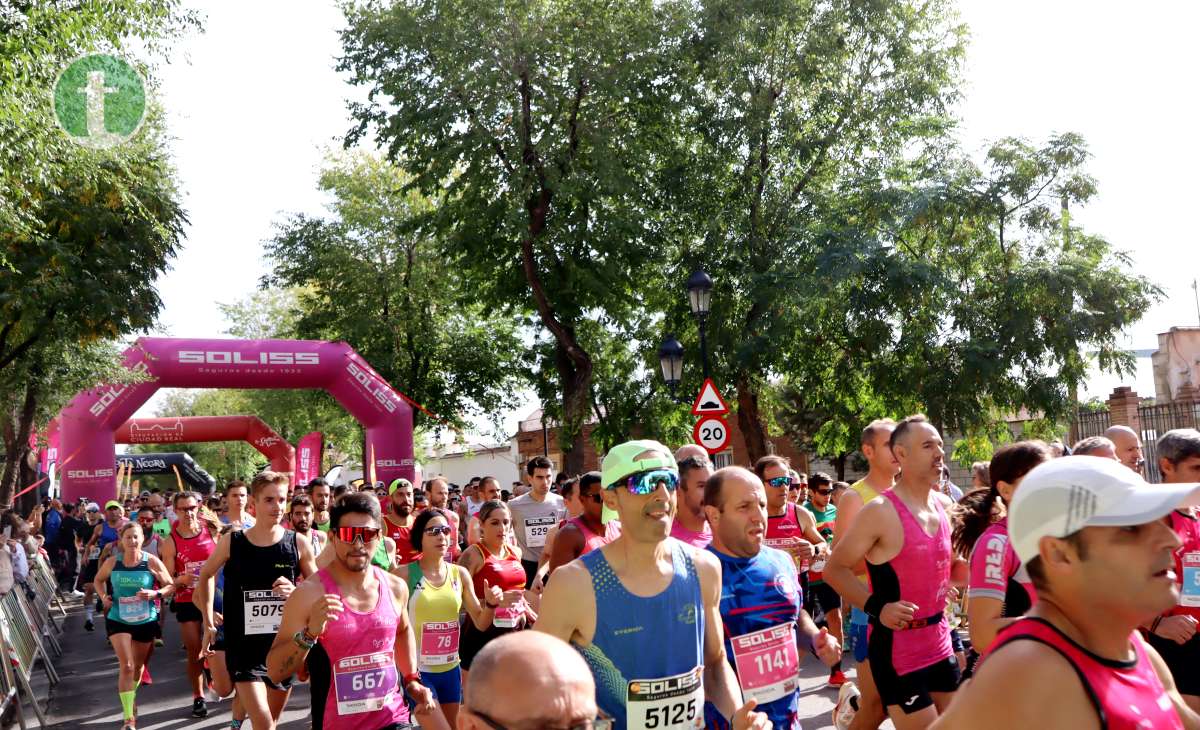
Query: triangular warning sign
x,y
709,402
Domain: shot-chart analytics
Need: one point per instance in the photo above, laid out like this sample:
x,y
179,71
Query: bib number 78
x,y
672,715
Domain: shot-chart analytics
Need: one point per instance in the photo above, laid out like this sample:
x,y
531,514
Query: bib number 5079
x,y
672,715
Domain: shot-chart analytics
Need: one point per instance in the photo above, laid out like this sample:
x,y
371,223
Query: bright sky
x,y
254,101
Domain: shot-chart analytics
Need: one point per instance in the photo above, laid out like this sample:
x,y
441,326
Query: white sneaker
x,y
75,594
847,706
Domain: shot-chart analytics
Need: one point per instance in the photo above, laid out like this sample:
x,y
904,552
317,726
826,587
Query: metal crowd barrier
x,y
27,637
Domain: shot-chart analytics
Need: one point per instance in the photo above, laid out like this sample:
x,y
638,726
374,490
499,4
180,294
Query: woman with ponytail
x,y
998,589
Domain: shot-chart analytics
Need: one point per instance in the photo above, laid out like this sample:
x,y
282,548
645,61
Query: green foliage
x,y
368,275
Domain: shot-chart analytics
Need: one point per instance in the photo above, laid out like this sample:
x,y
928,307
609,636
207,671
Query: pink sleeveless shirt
x,y
1126,695
363,694
920,574
784,532
592,541
190,555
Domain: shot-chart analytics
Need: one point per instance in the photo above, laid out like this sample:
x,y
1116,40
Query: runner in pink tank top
x,y
920,574
363,694
1126,695
592,541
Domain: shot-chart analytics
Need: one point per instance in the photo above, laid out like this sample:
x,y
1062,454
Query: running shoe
x,y
836,678
235,725
158,642
199,709
847,706
89,626
75,594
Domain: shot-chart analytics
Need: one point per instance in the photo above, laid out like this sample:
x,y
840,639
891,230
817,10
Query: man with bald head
x,y
528,679
1128,446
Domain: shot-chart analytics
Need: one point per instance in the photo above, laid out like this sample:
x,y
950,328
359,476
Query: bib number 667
x,y
672,715
368,680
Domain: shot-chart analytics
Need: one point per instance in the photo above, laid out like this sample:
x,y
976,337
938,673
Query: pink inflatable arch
x,y
196,429
90,420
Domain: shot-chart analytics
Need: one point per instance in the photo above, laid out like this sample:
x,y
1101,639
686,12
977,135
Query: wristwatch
x,y
304,640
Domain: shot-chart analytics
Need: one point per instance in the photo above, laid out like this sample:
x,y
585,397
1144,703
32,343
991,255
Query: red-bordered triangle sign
x,y
709,402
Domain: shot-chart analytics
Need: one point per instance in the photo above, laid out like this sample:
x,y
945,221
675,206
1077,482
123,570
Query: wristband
x,y
874,605
412,677
1154,626
303,641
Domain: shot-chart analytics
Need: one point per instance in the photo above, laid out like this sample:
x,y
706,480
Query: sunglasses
x,y
595,497
438,530
646,482
350,534
780,482
824,492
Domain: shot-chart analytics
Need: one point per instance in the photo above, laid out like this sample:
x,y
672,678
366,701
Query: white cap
x,y
1062,496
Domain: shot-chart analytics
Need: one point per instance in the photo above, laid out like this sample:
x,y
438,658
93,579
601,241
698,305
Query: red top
x,y
190,556
505,572
1187,564
404,549
592,541
784,532
1126,695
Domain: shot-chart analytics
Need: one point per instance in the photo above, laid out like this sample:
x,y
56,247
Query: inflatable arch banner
x,y
199,429
191,474
309,450
89,422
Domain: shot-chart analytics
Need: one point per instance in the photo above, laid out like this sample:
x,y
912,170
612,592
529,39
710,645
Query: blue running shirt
x,y
648,653
760,602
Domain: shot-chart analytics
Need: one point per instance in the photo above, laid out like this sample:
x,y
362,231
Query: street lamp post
x,y
699,287
670,359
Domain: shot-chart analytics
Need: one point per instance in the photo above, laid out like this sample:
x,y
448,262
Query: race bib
x,y
93,554
767,662
364,683
669,702
1189,589
510,617
439,643
788,545
536,529
818,565
133,610
263,609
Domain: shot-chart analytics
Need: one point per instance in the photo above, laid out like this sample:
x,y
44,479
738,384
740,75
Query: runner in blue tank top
x,y
643,609
760,598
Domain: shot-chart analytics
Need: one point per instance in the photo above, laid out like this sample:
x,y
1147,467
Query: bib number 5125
x,y
673,715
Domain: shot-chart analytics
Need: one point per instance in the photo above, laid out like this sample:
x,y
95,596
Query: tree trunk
x,y
17,427
749,421
839,463
576,378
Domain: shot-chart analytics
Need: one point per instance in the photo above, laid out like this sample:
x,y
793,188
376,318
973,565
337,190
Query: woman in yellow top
x,y
438,592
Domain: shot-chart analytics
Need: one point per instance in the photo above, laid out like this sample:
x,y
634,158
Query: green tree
x,y
368,275
542,127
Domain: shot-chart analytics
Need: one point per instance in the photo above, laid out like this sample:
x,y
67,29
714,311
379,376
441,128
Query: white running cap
x,y
1062,496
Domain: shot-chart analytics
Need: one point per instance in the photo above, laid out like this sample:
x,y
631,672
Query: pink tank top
x,y
592,541
190,555
996,572
920,574
363,693
1126,695
784,531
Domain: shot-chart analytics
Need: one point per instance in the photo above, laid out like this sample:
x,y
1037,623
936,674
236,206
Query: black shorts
x,y
320,674
144,633
821,598
1183,661
241,672
185,612
89,571
914,691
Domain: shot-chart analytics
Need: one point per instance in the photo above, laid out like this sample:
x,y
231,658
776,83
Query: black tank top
x,y
252,611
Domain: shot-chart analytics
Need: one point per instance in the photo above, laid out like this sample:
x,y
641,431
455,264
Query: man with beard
x,y
761,599
398,524
439,498
359,614
905,538
319,492
300,516
645,587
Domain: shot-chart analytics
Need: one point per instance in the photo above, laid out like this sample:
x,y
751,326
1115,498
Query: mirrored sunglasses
x,y
646,482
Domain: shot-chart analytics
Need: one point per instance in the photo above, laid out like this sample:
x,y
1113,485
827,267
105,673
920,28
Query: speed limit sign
x,y
711,433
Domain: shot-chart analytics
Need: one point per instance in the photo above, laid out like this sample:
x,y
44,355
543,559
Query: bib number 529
x,y
673,715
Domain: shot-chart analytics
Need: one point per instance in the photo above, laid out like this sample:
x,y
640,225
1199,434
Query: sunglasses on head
x,y
350,534
646,482
438,530
780,482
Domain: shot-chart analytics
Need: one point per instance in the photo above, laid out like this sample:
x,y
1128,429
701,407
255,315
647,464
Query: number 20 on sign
x,y
712,433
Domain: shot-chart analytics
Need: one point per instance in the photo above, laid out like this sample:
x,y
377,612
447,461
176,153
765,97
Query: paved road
x,y
87,695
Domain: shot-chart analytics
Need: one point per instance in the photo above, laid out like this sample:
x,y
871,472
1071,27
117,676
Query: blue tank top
x,y
107,535
758,596
127,608
647,656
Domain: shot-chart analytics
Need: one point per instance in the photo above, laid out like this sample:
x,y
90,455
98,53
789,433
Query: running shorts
x,y
914,691
144,633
